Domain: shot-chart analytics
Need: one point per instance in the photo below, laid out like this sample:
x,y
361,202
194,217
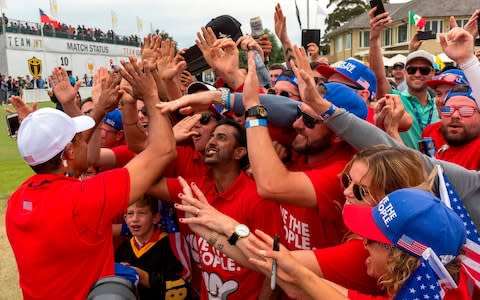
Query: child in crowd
x,y
149,253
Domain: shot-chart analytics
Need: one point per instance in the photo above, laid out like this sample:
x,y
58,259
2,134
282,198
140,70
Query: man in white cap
x,y
60,227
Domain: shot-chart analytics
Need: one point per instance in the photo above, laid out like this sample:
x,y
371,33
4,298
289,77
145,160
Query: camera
x,y
426,35
13,123
379,5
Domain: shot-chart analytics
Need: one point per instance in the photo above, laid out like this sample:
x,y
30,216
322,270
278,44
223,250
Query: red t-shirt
x,y
122,155
188,164
467,155
60,230
223,278
345,265
315,228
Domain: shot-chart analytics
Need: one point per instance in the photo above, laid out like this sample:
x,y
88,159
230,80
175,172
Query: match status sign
x,y
81,57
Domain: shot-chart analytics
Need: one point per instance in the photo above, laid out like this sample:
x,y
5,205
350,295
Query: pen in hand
x,y
273,278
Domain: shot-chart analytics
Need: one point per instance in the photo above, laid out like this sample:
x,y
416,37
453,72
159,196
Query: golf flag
x,y
54,8
46,19
416,20
139,25
114,20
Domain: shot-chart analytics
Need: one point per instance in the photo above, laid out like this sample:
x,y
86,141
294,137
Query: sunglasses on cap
x,y
308,120
359,191
205,118
423,70
465,111
383,245
272,91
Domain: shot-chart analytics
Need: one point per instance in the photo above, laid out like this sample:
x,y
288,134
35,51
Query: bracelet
x,y
469,63
212,238
330,111
255,123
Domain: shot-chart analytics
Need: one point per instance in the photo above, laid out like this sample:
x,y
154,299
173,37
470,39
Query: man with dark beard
x,y
308,190
460,127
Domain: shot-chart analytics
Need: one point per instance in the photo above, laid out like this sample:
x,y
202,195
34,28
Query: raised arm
x,y
148,166
282,34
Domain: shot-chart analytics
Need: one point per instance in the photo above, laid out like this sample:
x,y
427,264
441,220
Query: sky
x,y
180,18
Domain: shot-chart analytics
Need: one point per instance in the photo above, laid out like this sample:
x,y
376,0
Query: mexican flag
x,y
416,20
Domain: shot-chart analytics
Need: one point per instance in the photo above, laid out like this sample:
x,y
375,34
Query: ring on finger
x,y
197,212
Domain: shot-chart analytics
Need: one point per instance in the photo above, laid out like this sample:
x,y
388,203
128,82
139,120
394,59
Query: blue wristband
x,y
330,111
228,106
255,123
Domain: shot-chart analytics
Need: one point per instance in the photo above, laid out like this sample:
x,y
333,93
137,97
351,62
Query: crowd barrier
x,y
38,95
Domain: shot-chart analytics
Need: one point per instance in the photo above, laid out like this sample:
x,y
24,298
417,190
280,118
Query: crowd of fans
x,y
322,183
69,32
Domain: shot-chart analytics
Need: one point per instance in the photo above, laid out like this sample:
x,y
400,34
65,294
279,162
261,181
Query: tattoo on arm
x,y
219,246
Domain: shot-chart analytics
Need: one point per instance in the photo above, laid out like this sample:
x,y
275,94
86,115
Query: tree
x,y
344,11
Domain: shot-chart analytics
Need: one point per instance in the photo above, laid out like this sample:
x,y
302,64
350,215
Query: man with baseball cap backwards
x,y
60,228
414,241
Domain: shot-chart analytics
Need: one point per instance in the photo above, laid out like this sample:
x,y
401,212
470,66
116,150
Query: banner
x,y
139,25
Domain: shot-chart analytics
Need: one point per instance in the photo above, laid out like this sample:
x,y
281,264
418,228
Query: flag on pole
x,y
416,20
54,8
47,20
139,25
114,20
471,259
298,15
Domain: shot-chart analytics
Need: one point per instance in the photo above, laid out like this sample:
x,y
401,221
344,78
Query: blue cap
x,y
412,220
292,79
356,72
114,119
450,77
343,96
468,94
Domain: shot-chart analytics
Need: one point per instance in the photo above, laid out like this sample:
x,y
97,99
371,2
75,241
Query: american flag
x,y
428,280
471,259
411,245
180,248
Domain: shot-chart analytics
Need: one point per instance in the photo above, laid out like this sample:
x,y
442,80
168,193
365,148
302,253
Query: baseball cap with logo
x,y
344,97
450,77
46,132
356,72
462,91
412,220
114,119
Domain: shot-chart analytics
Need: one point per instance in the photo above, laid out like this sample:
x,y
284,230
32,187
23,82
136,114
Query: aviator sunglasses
x,y
359,191
423,70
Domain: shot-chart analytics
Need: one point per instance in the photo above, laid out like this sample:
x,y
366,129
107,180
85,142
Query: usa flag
x,y
179,245
428,281
471,259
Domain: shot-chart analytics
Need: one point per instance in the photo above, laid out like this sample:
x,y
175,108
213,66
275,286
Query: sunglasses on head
x,y
205,118
308,120
465,111
423,70
281,93
359,191
383,245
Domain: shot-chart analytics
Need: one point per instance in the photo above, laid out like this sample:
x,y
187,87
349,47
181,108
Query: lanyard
x,y
419,120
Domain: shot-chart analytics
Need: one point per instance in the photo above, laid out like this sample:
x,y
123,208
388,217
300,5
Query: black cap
x,y
399,64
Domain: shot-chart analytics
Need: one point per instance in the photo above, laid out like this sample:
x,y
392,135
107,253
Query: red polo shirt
x,y
320,227
223,278
60,230
188,164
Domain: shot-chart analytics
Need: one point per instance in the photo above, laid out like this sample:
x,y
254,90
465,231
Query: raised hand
x,y
100,76
20,107
280,24
306,82
266,45
189,104
457,44
472,24
139,76
247,42
167,65
149,48
250,89
377,23
415,43
301,59
183,129
62,88
110,95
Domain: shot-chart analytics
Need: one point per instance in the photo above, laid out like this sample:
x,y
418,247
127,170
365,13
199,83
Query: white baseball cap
x,y
46,132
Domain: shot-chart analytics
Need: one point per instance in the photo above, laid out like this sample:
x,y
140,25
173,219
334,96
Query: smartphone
x,y
310,36
13,123
426,35
379,5
256,27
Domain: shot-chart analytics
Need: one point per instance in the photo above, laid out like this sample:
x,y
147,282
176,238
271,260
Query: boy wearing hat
x,y
398,74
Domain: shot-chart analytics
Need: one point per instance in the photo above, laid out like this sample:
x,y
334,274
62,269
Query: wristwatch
x,y
241,231
257,111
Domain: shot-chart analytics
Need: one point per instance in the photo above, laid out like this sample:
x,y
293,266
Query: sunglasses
x,y
383,245
465,111
144,112
423,70
205,118
308,120
359,191
282,93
